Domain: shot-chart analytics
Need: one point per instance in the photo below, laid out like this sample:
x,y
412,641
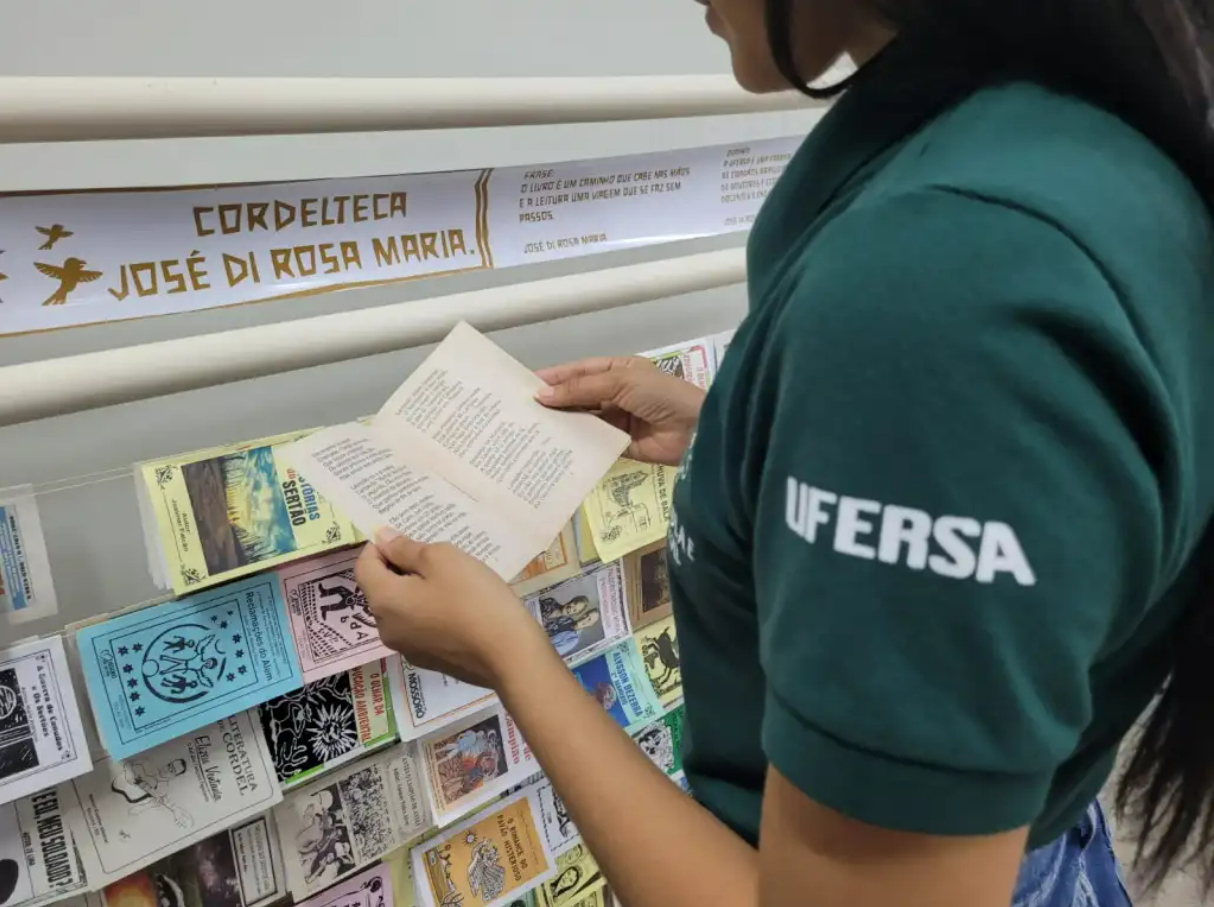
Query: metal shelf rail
x,y
84,109
69,109
55,387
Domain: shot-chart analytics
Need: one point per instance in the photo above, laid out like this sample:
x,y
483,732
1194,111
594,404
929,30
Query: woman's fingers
x,y
406,555
590,391
374,574
390,595
559,374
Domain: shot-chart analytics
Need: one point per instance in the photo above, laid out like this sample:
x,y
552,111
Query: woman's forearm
x,y
656,846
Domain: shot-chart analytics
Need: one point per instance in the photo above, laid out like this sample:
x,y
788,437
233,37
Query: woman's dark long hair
x,y
1151,62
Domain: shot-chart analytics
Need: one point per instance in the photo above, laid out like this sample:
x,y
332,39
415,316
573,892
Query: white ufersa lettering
x,y
955,547
904,533
958,560
805,509
680,545
851,526
1000,552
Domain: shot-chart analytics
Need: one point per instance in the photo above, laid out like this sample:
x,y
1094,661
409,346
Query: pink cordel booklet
x,y
332,625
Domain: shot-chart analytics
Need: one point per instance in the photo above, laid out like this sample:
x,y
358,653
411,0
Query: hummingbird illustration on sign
x,y
53,234
70,275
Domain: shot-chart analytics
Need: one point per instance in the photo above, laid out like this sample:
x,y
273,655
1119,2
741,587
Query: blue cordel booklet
x,y
160,672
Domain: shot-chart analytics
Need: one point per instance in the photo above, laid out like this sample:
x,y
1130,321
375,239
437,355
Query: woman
x,y
940,531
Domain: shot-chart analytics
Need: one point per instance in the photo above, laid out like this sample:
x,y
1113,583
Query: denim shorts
x,y
1077,870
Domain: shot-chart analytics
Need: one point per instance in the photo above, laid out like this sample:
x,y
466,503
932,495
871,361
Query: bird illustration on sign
x,y
2,276
53,234
70,275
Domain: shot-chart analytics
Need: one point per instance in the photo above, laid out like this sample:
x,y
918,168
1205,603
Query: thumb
x,y
401,552
582,391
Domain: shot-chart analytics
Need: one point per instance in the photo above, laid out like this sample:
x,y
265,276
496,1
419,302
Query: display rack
x,y
391,754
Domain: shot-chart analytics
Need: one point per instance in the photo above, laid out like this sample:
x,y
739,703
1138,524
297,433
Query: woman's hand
x,y
450,613
659,411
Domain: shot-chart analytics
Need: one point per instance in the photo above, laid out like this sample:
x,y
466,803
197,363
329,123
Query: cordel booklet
x,y
463,453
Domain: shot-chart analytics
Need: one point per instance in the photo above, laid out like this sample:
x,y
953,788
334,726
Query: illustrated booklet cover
x,y
426,701
239,867
473,761
39,861
27,591
219,514
489,860
329,722
42,737
333,627
160,672
618,682
585,614
648,582
630,507
132,812
343,821
373,888
659,647
578,881
662,741
554,820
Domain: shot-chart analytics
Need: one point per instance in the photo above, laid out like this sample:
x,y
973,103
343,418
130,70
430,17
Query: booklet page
x,y
474,403
463,453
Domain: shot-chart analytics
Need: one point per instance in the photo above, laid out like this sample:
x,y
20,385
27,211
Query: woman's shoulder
x,y
1020,217
1025,239
1057,157
1020,197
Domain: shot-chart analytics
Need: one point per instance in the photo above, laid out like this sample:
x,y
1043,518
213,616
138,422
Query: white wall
x,y
92,527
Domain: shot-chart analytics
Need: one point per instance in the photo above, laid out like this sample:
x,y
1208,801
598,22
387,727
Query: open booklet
x,y
463,453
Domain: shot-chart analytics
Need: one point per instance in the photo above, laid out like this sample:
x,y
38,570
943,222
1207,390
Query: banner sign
x,y
69,259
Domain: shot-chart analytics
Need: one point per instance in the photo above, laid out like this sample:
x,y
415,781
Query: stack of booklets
x,y
461,452
252,742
